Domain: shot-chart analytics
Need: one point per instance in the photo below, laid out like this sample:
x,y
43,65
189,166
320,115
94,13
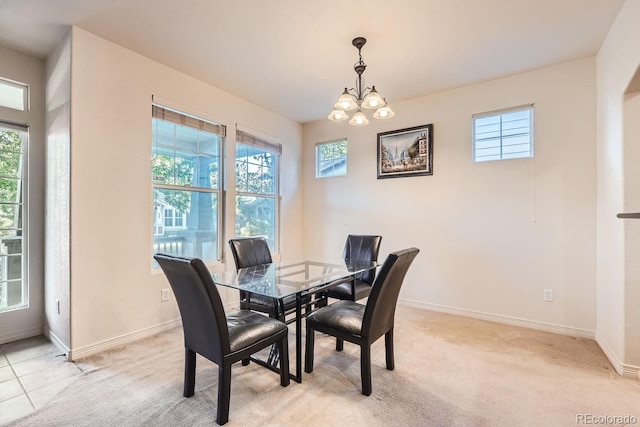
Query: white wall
x,y
617,287
57,250
18,324
114,294
492,235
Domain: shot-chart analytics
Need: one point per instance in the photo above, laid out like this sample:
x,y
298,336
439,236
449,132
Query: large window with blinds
x,y
503,134
187,173
257,188
13,284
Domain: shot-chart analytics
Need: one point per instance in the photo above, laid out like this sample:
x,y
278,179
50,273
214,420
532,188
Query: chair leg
x,y
224,394
339,344
189,372
245,362
388,346
283,346
365,368
308,351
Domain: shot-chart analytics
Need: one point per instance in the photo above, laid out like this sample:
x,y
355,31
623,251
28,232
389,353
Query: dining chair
x,y
364,324
250,252
223,339
357,248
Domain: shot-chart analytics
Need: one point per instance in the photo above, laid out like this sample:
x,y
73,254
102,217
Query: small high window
x,y
14,95
331,159
503,134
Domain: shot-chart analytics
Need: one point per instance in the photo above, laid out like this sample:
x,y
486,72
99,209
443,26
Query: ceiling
x,y
295,57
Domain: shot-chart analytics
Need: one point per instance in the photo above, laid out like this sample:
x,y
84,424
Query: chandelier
x,y
360,97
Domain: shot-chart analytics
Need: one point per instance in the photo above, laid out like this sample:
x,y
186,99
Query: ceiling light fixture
x,y
360,97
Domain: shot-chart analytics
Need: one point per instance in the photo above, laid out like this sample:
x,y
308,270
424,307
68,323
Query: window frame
x,y
248,139
181,117
23,206
317,158
501,136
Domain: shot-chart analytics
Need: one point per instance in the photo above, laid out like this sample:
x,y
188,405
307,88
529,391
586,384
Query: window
x,y
331,159
13,283
14,95
504,134
257,200
173,219
186,171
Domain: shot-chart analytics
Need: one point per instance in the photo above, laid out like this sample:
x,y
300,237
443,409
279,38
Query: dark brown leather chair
x,y
364,324
358,248
207,331
249,252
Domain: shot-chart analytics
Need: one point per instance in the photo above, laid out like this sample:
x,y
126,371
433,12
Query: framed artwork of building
x,y
406,152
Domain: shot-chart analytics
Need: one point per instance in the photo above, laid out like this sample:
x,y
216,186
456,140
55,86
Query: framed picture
x,y
405,152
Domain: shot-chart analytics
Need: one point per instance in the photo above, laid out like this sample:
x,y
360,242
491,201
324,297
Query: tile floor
x,y
32,372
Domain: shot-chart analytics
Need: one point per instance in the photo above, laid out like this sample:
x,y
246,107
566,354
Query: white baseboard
x,y
629,371
20,335
57,342
498,318
78,353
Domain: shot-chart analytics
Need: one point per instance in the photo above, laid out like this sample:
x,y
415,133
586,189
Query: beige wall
x,y
618,286
115,295
492,235
18,324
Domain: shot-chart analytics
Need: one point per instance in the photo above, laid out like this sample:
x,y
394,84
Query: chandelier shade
x,y
338,115
359,119
384,112
360,96
346,102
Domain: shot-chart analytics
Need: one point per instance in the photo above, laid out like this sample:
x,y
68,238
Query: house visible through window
x,y
504,134
186,171
257,193
13,281
331,159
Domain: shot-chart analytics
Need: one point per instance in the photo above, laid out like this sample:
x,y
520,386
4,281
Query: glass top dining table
x,y
300,278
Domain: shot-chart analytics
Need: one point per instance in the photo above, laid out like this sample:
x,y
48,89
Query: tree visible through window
x,y
13,285
256,173
331,159
186,170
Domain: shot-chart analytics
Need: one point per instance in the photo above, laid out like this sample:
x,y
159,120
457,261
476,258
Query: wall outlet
x,y
548,295
58,306
164,295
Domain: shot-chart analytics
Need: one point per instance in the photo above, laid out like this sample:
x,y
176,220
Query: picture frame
x,y
406,152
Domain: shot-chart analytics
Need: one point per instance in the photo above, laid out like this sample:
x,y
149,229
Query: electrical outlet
x,y
164,295
58,305
548,295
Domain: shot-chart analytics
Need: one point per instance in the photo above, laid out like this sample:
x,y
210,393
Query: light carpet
x,y
450,371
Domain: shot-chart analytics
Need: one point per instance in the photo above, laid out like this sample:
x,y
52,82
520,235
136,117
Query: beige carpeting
x,y
450,371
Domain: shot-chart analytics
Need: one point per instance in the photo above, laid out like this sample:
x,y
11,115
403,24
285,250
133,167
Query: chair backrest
x,y
381,306
362,248
203,319
250,251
